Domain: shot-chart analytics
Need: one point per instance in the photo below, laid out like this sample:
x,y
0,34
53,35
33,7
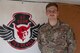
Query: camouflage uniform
x,y
56,39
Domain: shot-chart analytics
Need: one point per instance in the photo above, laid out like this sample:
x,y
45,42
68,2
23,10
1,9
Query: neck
x,y
52,22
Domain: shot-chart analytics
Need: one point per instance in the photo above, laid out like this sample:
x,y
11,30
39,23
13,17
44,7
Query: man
x,y
55,36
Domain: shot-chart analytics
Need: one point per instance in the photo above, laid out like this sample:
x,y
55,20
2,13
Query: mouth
x,y
51,15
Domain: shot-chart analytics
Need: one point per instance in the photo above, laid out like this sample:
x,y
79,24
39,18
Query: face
x,y
52,12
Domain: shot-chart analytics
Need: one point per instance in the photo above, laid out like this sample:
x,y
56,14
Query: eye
x,y
49,11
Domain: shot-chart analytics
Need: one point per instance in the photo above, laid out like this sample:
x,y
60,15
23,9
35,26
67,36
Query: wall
x,y
71,14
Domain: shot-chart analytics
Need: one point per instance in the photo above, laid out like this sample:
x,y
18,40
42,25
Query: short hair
x,y
51,4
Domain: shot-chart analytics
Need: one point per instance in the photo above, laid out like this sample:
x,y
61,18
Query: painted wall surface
x,y
7,9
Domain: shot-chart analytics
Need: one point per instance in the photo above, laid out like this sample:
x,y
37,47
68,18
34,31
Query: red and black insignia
x,y
21,32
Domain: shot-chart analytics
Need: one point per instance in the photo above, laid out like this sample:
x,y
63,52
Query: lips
x,y
51,15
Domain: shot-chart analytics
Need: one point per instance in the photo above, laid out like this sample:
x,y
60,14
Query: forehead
x,y
52,8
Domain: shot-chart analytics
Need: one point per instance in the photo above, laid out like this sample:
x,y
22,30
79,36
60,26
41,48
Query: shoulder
x,y
65,26
67,29
42,27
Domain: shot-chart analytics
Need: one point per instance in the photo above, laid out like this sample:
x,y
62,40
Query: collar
x,y
55,26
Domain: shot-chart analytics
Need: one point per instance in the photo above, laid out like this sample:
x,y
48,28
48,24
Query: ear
x,y
58,13
46,13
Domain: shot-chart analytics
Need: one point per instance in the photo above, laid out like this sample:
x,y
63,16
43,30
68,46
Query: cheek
x,y
48,14
56,14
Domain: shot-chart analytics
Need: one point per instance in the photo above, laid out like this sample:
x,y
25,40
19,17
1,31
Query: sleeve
x,y
71,41
39,37
39,40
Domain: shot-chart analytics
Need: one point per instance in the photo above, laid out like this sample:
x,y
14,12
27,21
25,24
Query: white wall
x,y
8,8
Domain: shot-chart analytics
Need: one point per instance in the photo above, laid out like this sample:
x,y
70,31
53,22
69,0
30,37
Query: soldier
x,y
55,36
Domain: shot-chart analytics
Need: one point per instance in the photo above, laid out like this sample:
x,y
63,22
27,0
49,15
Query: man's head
x,y
52,10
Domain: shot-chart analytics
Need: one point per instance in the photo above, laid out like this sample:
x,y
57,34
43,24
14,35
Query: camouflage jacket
x,y
56,39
